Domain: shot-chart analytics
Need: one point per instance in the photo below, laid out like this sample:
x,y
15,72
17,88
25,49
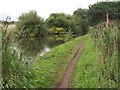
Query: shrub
x,y
30,24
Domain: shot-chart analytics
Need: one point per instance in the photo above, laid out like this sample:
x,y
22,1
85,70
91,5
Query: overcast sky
x,y
14,8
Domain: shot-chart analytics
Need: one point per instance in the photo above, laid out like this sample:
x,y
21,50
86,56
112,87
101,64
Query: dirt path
x,y
64,83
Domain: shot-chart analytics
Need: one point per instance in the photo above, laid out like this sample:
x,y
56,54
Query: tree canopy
x,y
78,23
30,24
97,12
64,21
57,20
82,20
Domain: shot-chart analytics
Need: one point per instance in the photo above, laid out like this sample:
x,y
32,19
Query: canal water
x,y
37,46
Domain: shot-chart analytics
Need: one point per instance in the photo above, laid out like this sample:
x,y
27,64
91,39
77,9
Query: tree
x,y
82,20
97,12
30,24
63,23
81,12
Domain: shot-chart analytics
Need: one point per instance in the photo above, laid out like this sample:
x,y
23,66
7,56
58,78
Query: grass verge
x,y
85,72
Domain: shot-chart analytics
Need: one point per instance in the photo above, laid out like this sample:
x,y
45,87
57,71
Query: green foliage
x,y
61,20
68,36
76,25
56,20
30,24
13,64
56,30
97,12
81,20
106,41
81,13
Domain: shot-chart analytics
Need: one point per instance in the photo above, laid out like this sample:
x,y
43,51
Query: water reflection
x,y
46,49
34,46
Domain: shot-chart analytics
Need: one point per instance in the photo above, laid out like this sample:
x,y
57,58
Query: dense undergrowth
x,y
107,43
14,66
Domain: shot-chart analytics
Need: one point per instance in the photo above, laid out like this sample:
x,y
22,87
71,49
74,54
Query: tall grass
x,y
13,64
107,42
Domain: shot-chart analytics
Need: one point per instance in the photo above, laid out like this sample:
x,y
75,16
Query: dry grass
x,y
10,28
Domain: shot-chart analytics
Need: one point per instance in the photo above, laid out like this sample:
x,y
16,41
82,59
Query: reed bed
x,y
107,42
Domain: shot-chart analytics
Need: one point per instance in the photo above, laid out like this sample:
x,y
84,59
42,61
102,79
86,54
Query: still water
x,y
37,46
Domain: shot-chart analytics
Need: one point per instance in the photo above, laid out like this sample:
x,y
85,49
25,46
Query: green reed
x,y
13,64
107,42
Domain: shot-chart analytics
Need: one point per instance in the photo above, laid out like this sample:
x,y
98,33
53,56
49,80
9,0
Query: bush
x,y
60,22
56,30
30,24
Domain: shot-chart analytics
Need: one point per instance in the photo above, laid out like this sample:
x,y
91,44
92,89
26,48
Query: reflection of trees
x,y
54,40
31,46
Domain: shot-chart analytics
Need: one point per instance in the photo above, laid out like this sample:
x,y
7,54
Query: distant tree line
x,y
31,24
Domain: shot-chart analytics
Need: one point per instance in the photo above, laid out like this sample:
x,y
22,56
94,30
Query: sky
x,y
44,8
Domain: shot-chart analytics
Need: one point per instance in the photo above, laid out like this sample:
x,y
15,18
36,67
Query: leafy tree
x,y
65,22
75,24
30,24
82,20
56,30
81,12
57,20
97,12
